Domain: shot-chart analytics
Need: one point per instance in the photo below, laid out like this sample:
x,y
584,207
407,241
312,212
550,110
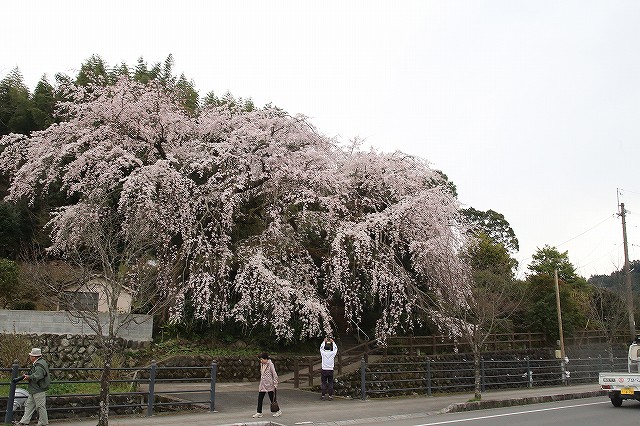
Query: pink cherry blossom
x,y
254,217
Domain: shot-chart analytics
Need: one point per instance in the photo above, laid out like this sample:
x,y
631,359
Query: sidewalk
x,y
235,404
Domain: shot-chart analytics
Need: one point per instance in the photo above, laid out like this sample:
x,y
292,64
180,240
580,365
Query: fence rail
x,y
308,367
584,337
432,345
430,376
136,399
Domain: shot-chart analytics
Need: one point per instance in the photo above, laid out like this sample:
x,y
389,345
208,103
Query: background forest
x,y
351,236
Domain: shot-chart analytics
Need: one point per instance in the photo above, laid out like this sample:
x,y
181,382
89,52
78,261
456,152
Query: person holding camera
x,y
39,381
328,351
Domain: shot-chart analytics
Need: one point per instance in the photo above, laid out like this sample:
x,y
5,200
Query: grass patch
x,y
70,388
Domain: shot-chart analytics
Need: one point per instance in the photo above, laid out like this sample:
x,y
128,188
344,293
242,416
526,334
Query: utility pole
x,y
555,280
627,273
563,356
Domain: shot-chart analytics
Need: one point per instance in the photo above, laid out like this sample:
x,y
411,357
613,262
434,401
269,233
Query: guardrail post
x,y
214,374
428,371
152,384
363,385
482,374
529,373
296,374
8,418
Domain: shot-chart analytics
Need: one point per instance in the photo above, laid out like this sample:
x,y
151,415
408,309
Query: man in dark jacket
x,y
39,381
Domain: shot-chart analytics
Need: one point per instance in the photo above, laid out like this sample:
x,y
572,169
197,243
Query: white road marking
x,y
511,414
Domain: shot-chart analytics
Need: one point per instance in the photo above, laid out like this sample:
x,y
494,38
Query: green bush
x,y
14,347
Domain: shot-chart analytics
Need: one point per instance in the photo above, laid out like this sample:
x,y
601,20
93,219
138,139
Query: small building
x,y
94,295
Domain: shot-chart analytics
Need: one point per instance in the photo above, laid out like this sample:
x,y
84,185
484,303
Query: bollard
x,y
429,376
214,373
8,418
363,386
152,383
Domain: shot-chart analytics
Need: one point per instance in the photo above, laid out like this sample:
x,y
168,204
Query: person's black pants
x,y
261,398
326,377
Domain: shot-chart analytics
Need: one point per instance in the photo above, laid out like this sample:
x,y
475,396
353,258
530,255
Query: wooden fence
x,y
433,345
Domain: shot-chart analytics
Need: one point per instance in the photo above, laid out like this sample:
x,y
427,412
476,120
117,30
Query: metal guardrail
x,y
432,376
306,370
149,376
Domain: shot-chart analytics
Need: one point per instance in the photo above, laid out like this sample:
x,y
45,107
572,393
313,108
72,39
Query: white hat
x,y
35,352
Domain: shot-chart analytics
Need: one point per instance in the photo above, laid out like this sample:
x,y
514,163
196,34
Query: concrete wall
x,y
58,322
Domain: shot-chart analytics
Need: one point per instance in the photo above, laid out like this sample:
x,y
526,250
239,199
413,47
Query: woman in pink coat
x,y
268,383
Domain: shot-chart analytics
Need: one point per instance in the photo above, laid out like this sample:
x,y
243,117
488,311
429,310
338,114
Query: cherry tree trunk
x,y
103,414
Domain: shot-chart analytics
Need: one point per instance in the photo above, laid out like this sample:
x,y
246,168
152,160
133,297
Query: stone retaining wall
x,y
229,368
72,351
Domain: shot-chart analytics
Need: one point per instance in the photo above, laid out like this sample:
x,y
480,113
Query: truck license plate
x,y
626,391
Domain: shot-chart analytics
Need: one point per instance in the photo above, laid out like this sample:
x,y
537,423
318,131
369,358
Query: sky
x,y
531,108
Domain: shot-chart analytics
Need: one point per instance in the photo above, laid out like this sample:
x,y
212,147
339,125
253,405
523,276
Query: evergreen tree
x,y
188,94
43,104
119,71
493,225
141,72
228,100
167,71
93,71
10,232
547,259
15,105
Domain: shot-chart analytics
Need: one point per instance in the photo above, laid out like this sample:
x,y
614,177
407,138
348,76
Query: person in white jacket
x,y
328,351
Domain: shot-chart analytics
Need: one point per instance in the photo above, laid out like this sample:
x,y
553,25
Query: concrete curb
x,y
480,405
267,423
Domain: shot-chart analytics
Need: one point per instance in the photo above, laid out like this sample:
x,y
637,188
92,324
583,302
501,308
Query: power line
x,y
524,259
626,190
617,246
582,233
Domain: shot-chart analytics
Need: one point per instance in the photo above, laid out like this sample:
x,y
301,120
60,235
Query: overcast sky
x,y
530,107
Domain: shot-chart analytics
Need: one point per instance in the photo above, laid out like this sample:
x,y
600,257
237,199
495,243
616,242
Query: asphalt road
x,y
583,412
235,403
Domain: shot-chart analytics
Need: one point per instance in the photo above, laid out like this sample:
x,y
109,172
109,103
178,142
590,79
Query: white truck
x,y
621,386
